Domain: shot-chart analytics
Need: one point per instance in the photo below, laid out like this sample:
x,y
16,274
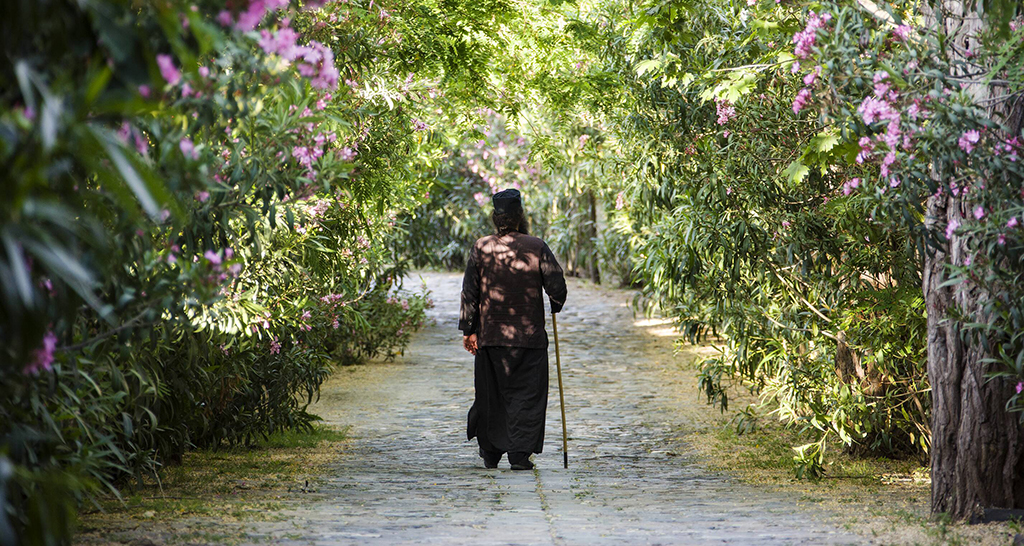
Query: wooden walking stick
x,y
561,396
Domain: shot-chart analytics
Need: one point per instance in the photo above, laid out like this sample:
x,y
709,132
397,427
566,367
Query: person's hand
x,y
469,342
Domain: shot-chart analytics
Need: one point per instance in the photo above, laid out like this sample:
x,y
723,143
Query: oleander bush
x,y
199,223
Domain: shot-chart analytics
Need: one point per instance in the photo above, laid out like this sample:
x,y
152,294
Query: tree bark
x,y
977,446
595,273
977,457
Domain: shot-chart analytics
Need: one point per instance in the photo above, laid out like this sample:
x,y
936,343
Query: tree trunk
x,y
595,273
977,445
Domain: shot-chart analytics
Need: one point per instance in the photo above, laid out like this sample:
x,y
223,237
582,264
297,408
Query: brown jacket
x,y
501,291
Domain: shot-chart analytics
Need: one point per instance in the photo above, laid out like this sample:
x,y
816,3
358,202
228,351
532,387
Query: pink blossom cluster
x,y
882,107
251,16
218,260
275,345
850,185
725,110
42,358
802,98
333,298
969,140
334,301
126,132
319,208
620,201
951,228
315,61
168,71
804,39
1011,147
901,32
188,149
306,155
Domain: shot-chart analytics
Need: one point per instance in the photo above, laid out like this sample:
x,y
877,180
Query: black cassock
x,y
502,303
511,400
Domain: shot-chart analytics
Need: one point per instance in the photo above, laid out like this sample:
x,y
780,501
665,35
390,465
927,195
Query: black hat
x,y
506,201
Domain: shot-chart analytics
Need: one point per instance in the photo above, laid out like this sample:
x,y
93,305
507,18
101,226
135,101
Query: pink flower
x,y
802,97
248,19
851,185
979,212
951,228
872,110
212,257
1001,239
275,346
347,154
42,358
726,111
202,196
804,39
145,91
480,198
167,69
188,149
282,43
1012,223
785,223
968,140
866,146
620,201
812,76
901,32
887,162
224,18
203,71
1020,387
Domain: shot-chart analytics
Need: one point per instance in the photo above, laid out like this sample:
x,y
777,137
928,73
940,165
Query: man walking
x,y
502,321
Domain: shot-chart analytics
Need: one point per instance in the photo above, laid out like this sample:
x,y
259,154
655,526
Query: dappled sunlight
x,y
661,327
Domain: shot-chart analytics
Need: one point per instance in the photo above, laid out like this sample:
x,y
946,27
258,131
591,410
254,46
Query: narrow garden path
x,y
409,475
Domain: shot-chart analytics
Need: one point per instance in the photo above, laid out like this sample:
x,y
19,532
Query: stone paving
x,y
409,476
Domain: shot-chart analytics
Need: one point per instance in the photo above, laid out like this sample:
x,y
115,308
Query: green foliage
x,y
195,231
739,228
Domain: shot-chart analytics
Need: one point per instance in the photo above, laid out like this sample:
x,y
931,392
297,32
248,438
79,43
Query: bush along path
x,y
407,474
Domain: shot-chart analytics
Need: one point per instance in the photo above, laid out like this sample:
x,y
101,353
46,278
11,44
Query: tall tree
x,y
977,459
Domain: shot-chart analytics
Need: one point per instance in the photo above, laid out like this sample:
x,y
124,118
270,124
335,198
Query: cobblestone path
x,y
409,475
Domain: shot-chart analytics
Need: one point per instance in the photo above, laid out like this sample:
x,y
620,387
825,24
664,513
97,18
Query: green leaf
x,y
796,172
649,65
824,141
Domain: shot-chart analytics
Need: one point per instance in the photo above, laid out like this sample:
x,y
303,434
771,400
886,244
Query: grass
x,y
234,485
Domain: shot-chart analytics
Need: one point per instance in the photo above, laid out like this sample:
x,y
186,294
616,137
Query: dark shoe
x,y
491,460
520,461
525,464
